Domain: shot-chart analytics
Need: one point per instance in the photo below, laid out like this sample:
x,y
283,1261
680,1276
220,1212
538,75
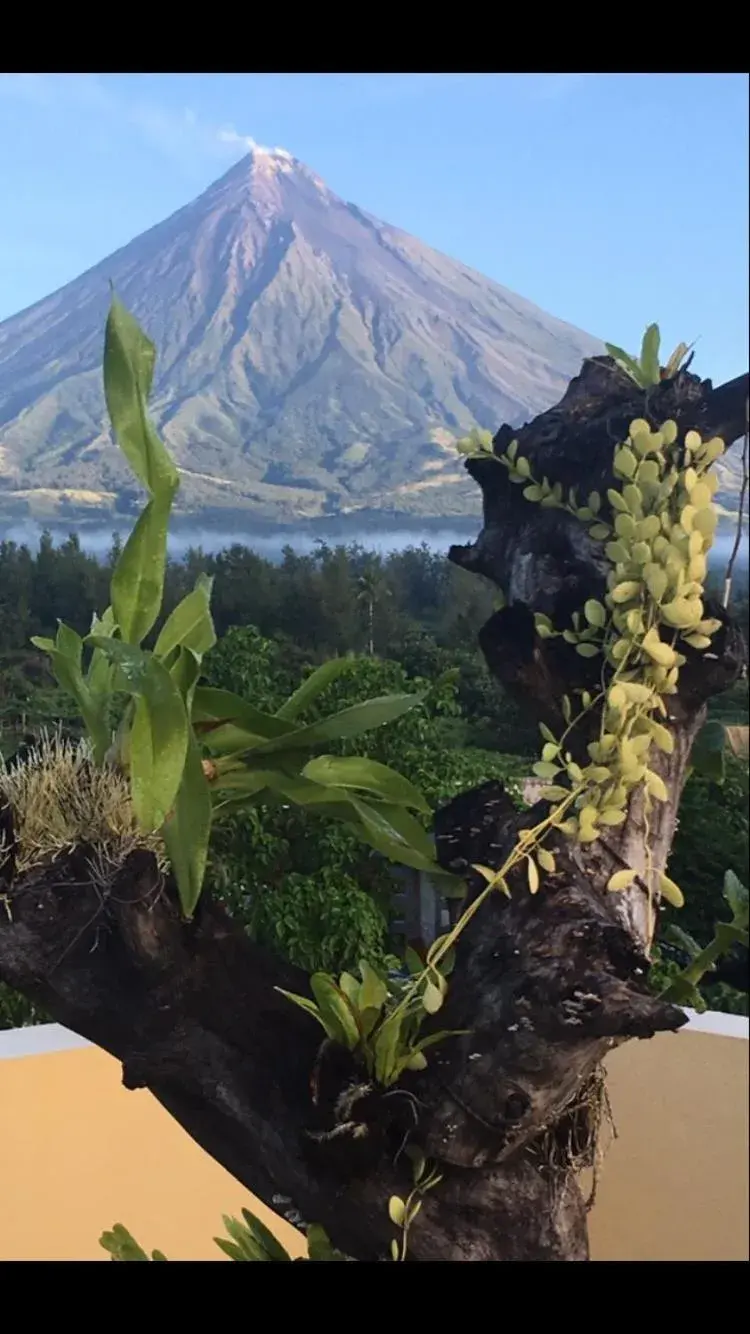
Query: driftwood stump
x,y
546,985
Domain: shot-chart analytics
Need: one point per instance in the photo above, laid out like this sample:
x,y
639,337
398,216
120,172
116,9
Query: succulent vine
x,y
656,529
656,540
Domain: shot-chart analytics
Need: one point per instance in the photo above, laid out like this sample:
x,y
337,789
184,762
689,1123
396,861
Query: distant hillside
x,y
312,361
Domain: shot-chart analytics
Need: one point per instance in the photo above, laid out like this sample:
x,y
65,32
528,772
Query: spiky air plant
x,y
59,799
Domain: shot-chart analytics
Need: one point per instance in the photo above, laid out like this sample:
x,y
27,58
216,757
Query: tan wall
x,y
674,1185
78,1153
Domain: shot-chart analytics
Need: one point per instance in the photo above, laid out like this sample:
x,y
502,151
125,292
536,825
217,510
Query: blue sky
x,y
610,200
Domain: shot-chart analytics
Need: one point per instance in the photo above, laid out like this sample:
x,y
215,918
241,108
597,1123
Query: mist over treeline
x,y
329,600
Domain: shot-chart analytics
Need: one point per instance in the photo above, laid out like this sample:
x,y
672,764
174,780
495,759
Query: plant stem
x,y
519,853
724,939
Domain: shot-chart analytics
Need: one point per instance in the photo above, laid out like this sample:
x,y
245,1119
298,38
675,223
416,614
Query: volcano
x,y
312,360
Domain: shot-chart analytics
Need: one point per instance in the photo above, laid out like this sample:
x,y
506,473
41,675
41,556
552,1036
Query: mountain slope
x,y
311,359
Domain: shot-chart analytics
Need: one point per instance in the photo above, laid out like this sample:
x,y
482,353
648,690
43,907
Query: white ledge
x,y
721,1025
38,1040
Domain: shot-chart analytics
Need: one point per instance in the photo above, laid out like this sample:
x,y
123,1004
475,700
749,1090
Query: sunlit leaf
x,y
392,831
67,668
355,720
650,355
386,1047
190,624
432,998
138,578
129,359
367,775
373,992
264,1237
236,725
335,1011
626,362
187,830
736,895
159,732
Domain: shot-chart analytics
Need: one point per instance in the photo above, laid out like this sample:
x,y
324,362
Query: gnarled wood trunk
x,y
545,985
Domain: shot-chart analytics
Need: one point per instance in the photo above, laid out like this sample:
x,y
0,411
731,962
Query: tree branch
x,y
544,984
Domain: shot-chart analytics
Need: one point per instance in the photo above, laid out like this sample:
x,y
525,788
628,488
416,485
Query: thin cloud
x,y
245,142
178,135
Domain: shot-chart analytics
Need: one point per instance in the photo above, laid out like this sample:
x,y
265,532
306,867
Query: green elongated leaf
x,y
99,675
104,624
70,677
129,359
368,1019
676,936
319,1245
304,1004
230,741
413,961
229,1248
407,826
373,993
67,673
350,987
99,682
121,1245
736,895
246,783
335,1011
187,830
190,624
70,644
159,731
676,360
251,1248
185,672
386,1050
221,707
315,683
650,355
138,578
366,775
292,788
382,827
264,1237
267,796
627,362
155,771
434,1038
390,830
355,720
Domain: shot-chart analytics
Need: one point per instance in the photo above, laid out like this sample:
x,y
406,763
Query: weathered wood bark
x,y
545,985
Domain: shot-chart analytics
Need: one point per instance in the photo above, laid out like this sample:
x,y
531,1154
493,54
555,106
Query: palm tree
x,y
371,587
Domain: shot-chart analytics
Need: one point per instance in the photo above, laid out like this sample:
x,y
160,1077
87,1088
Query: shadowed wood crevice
x,y
544,984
